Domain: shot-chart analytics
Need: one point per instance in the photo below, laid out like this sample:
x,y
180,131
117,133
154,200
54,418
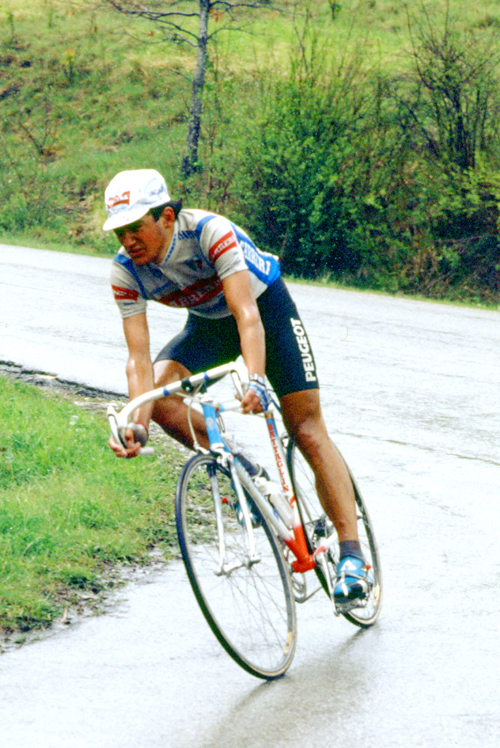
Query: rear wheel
x,y
318,526
248,605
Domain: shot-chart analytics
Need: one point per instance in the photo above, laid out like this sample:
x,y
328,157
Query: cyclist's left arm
x,y
240,300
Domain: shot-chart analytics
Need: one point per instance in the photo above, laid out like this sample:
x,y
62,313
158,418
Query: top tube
x,y
187,385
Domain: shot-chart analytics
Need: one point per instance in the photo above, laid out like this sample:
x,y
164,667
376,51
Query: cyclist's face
x,y
147,240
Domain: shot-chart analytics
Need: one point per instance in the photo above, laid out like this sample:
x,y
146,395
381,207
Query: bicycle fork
x,y
218,446
225,568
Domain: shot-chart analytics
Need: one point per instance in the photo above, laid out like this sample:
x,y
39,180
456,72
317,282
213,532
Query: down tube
x,y
299,547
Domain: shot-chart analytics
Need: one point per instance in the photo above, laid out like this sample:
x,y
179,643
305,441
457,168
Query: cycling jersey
x,y
290,366
205,249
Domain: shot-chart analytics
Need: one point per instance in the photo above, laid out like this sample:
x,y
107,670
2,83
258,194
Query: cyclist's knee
x,y
308,437
303,417
168,410
166,372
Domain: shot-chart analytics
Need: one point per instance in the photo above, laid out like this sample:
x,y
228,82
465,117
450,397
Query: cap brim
x,y
125,217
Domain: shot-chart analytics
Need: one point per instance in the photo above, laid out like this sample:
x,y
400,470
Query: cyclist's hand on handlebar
x,y
256,399
135,438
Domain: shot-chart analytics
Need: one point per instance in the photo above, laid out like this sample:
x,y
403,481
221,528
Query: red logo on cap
x,y
123,199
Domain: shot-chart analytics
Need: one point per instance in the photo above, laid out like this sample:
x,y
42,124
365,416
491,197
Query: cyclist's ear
x,y
168,216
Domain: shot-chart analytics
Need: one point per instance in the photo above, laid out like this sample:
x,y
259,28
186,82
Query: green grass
x,y
68,508
26,239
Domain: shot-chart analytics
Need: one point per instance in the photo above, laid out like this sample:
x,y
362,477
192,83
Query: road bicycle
x,y
248,543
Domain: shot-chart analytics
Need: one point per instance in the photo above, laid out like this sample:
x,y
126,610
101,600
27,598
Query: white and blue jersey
x,y
205,249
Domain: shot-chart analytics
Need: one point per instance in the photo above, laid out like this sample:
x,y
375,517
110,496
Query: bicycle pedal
x,y
359,602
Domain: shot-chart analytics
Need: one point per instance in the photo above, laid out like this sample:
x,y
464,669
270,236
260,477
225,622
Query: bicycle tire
x,y
317,525
250,610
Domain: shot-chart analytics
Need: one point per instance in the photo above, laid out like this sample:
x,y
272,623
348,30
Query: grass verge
x,y
70,512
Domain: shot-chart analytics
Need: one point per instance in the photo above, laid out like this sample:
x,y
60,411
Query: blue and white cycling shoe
x,y
352,584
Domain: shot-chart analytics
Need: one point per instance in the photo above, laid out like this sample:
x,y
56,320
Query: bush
x,y
300,160
381,182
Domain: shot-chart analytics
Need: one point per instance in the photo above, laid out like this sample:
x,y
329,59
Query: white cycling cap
x,y
131,194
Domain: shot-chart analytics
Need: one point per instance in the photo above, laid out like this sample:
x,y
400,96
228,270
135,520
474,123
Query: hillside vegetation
x,y
358,140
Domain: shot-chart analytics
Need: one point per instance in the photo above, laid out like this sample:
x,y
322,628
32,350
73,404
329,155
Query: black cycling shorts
x,y
205,343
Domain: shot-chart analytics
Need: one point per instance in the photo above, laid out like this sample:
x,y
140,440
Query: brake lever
x,y
116,432
113,425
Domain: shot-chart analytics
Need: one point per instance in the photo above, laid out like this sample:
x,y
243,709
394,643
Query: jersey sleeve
x,y
126,292
221,247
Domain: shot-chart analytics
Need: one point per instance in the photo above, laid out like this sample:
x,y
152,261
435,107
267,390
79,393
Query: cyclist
x,y
237,303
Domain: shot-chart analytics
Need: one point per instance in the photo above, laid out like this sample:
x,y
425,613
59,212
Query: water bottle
x,y
274,495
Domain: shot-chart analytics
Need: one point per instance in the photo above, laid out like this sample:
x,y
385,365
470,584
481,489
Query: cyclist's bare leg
x,y
304,422
171,413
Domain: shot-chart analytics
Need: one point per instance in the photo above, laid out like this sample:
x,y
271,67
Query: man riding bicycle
x,y
237,304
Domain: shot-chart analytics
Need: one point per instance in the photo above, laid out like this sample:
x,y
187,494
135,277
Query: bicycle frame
x,y
189,387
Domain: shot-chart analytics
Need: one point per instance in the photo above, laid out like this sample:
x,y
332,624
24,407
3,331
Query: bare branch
x,y
222,13
153,15
231,6
173,38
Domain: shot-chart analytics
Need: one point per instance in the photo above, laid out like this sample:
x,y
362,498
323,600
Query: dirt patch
x,y
69,390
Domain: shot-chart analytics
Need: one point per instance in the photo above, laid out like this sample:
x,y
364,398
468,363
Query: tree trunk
x,y
190,160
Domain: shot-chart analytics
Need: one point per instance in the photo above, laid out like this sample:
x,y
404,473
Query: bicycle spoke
x,y
250,608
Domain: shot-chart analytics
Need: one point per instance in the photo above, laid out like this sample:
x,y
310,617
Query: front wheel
x,y
248,604
318,526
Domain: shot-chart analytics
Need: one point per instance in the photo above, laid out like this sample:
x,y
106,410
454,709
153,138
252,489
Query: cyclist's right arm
x,y
140,379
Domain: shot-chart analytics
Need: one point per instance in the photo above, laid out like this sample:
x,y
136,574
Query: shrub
x,y
383,182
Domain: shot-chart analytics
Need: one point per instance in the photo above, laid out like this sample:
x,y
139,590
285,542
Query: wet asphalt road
x,y
411,392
